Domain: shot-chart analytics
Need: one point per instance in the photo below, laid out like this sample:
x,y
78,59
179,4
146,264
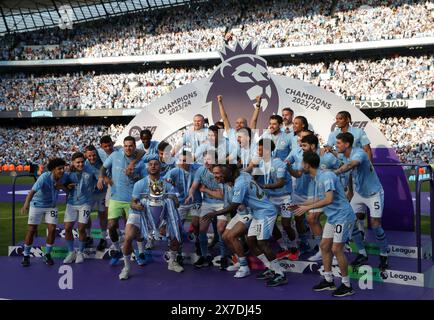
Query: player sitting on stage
x,y
205,177
247,192
330,195
238,225
42,202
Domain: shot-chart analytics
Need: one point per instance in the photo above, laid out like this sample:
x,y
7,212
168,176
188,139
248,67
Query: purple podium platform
x,y
95,279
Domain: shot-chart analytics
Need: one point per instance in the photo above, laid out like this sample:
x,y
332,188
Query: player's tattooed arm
x,y
138,156
347,167
367,148
292,172
175,200
136,205
350,192
26,204
193,188
102,176
329,149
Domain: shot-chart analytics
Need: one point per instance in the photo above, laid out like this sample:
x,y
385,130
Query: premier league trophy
x,y
160,211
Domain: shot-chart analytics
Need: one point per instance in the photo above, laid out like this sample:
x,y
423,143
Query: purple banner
x,y
398,205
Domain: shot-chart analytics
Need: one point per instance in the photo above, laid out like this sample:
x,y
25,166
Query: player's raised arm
x,y
223,113
255,115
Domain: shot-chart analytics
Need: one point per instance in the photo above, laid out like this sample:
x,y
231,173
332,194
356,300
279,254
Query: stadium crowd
x,y
412,139
91,91
36,144
402,77
208,26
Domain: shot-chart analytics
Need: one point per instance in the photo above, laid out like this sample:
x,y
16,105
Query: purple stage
x,y
95,279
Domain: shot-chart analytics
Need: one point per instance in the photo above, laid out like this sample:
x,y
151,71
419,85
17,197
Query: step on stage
x,y
96,279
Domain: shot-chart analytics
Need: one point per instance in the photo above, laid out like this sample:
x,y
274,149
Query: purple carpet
x,y
95,279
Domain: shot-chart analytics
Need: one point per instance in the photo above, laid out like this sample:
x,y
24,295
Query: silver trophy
x,y
153,220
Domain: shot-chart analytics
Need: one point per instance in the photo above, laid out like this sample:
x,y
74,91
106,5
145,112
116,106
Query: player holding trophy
x,y
153,214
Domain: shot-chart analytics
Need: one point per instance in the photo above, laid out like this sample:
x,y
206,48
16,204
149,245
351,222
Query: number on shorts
x,y
197,206
53,214
338,228
376,205
86,213
258,228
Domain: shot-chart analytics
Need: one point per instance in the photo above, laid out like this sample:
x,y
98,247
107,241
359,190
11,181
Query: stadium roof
x,y
25,15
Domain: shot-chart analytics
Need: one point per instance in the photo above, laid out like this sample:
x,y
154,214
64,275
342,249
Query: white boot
x,y
125,274
233,267
70,258
174,266
79,258
242,272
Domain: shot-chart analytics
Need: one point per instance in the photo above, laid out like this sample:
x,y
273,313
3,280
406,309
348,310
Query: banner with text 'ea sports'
x,y
243,75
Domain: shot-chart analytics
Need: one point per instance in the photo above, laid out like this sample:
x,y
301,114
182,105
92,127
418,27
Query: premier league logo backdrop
x,y
241,76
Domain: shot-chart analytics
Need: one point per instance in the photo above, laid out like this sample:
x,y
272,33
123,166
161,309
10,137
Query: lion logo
x,y
240,78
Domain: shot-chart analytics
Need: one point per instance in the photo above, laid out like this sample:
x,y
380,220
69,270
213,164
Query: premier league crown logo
x,y
156,193
240,78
